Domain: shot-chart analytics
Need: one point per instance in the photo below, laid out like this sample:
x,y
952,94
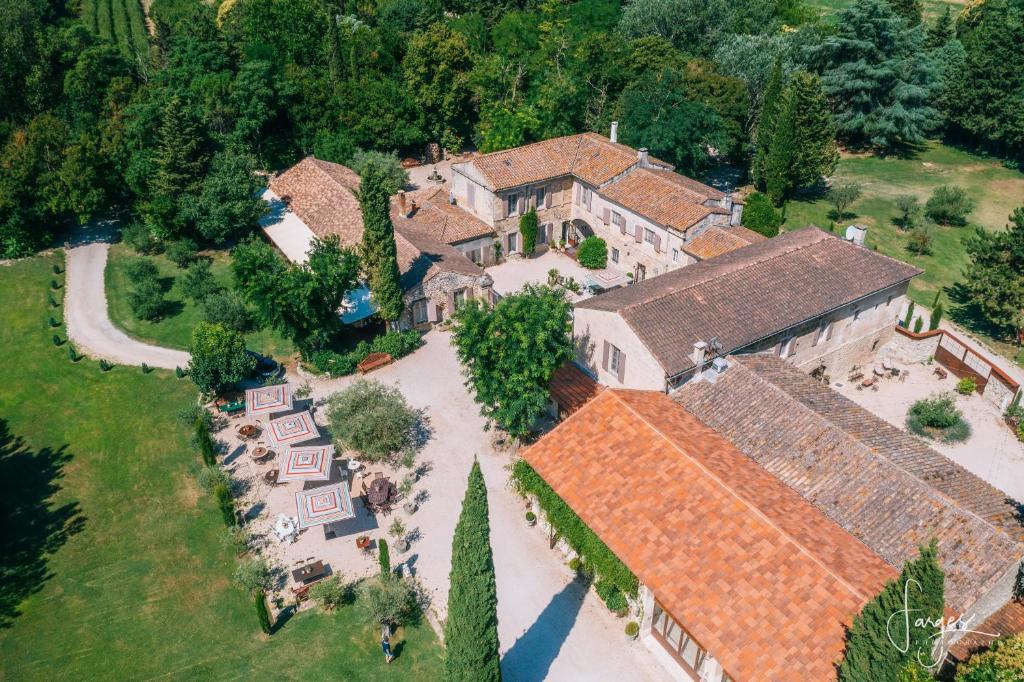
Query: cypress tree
x,y
771,104
528,228
814,151
941,31
471,631
180,165
870,653
384,557
936,317
778,164
379,252
262,613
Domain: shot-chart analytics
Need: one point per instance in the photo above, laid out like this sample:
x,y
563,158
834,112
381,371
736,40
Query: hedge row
x,y
608,567
396,344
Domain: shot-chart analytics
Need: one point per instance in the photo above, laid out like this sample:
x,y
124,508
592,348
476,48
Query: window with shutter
x,y
471,195
539,194
638,233
622,367
657,243
607,215
520,204
547,198
604,355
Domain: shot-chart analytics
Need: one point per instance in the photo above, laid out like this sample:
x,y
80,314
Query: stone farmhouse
x,y
316,198
760,511
807,296
587,184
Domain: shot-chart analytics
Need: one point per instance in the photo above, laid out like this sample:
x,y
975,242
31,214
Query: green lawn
x,y
932,8
175,330
143,590
997,190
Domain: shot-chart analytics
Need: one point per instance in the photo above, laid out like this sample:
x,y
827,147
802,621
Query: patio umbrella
x,y
311,463
323,505
268,399
292,428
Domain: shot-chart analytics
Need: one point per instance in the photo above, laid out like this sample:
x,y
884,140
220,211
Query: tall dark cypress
x,y
471,631
870,654
379,252
771,105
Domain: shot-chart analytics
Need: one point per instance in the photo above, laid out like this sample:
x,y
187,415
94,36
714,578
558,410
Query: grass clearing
x,y
175,330
932,8
996,189
143,590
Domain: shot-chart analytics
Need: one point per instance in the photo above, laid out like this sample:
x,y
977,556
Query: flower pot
x,y
402,545
410,507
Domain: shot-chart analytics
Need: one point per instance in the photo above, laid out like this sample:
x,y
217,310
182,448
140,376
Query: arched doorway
x,y
575,231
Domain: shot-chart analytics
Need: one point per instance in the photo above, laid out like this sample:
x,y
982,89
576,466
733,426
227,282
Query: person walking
x,y
385,644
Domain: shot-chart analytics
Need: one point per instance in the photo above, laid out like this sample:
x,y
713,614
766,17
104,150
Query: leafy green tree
x,y
437,67
984,102
593,253
910,210
471,631
994,279
146,299
879,78
300,301
228,205
528,229
510,352
388,602
1003,661
728,97
842,195
223,307
219,358
198,281
657,112
254,102
378,250
372,419
389,165
693,26
870,654
180,165
760,216
949,205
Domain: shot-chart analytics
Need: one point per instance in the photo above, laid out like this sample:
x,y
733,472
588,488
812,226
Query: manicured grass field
x,y
121,22
996,189
175,330
142,590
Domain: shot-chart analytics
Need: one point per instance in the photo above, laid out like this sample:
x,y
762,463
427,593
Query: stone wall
x,y
437,290
912,351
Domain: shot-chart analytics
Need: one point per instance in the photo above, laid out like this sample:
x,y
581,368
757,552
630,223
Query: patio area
x,y
992,452
511,275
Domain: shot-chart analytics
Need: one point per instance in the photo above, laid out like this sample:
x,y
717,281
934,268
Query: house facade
x,y
814,300
588,184
316,198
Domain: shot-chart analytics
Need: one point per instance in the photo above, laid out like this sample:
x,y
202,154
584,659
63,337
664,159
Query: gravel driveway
x,y
549,628
89,326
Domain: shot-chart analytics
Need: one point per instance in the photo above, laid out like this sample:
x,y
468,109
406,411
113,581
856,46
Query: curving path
x,y
89,325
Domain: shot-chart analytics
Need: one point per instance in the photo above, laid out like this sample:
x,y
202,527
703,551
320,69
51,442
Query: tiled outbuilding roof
x,y
654,195
572,388
323,195
749,294
760,578
435,217
1007,621
883,485
716,241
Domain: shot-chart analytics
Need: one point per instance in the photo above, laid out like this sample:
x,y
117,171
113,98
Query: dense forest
x,y
165,129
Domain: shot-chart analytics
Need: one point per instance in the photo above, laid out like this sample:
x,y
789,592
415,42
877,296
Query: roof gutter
x,y
670,377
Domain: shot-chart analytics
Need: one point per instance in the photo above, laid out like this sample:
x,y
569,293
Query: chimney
x,y
401,202
412,209
614,137
700,353
641,157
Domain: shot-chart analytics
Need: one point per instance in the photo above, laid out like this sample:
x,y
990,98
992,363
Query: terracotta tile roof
x,y
323,195
442,221
572,388
653,195
884,486
724,546
717,240
1009,620
749,294
591,157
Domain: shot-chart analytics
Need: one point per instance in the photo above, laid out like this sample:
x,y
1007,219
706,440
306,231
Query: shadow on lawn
x,y
969,316
32,527
530,658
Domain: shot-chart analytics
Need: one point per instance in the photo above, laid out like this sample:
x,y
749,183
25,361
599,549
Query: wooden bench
x,y
374,361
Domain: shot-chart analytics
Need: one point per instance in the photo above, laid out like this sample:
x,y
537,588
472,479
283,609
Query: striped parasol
x,y
311,463
323,505
268,399
292,428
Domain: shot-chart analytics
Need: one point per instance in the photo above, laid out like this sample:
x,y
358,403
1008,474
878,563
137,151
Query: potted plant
x,y
363,541
632,630
397,531
405,492
531,519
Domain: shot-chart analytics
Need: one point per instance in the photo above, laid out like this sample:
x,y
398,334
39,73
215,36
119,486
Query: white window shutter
x,y
432,311
657,243
520,204
638,233
579,194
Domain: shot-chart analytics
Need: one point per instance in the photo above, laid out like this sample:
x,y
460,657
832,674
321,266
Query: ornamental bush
x,y
388,602
253,574
262,613
395,344
949,205
593,253
181,252
226,504
372,419
966,386
528,229
1002,662
760,216
210,477
938,417
331,593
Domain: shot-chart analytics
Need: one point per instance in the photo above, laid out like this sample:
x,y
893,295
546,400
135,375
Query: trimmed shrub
x,y
384,558
53,303
395,344
632,629
918,324
528,229
57,340
198,281
966,386
54,322
936,317
949,205
203,440
105,366
938,417
141,270
611,595
146,369
910,316
569,526
760,216
179,372
593,253
209,477
226,504
262,613
73,356
224,307
919,241
146,300
55,285
181,252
